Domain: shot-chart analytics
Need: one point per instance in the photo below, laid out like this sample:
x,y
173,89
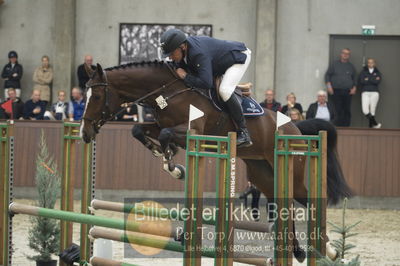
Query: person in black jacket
x,y
368,81
83,71
270,102
34,108
321,108
17,106
202,58
291,103
12,74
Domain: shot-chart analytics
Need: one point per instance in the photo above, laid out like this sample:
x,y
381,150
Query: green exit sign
x,y
368,29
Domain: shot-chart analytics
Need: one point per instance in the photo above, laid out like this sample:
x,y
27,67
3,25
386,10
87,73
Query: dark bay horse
x,y
156,85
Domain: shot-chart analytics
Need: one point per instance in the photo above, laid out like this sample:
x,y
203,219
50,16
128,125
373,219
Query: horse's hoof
x,y
182,171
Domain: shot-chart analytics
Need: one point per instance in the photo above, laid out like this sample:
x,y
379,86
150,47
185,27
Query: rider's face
x,y
176,55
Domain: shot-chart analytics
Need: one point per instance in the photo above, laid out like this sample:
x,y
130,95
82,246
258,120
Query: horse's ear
x,y
99,70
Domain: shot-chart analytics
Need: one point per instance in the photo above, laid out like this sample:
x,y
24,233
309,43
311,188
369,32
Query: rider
x,y
202,58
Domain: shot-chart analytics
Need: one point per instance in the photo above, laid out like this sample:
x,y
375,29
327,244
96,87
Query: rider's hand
x,y
181,73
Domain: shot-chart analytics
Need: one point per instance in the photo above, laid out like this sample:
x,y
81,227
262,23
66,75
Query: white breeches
x,y
232,77
369,100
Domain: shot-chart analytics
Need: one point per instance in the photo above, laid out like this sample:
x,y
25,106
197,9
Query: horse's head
x,y
102,103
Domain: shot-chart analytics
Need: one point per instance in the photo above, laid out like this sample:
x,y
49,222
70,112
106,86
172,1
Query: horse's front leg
x,y
145,133
169,149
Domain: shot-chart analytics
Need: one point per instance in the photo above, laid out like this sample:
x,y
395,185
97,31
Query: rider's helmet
x,y
171,39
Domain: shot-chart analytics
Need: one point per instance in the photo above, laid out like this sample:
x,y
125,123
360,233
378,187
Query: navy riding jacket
x,y
209,57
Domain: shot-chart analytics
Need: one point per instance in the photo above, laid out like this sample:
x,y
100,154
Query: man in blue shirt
x,y
76,105
202,58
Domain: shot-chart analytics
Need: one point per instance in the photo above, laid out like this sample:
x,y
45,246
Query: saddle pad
x,y
250,106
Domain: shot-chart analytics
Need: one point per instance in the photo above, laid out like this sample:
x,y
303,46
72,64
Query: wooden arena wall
x,y
370,159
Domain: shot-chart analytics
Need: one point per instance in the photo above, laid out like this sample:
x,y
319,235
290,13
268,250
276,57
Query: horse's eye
x,y
96,97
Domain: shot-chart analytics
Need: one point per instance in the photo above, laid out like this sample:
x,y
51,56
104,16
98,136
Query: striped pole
x,y
128,225
174,215
97,261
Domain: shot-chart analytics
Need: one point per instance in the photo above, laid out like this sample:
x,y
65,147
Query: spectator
x,y
340,80
291,103
321,109
13,106
59,110
34,108
76,106
269,102
12,74
369,80
42,77
130,114
84,71
295,115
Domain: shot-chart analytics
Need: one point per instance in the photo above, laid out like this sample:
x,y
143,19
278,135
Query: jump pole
x,y
174,215
6,192
97,261
313,148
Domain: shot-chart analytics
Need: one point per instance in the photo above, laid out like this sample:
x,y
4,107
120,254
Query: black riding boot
x,y
374,123
370,123
236,112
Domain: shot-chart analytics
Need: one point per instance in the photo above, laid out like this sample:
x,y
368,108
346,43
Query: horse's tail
x,y
337,188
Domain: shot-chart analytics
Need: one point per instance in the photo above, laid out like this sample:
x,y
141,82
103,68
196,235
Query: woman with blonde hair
x,y
291,103
43,77
295,115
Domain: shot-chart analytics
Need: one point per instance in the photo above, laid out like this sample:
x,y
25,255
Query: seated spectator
x,y
130,114
12,74
76,106
34,108
59,110
148,115
13,106
269,102
42,77
295,115
291,103
321,109
84,71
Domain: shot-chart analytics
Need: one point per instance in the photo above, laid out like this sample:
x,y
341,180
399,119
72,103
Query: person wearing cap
x,y
12,74
201,58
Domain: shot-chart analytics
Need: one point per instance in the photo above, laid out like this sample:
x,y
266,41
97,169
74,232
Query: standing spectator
x,y
291,103
270,102
84,71
76,106
14,106
130,114
59,110
34,108
295,115
12,74
369,80
321,109
340,80
42,77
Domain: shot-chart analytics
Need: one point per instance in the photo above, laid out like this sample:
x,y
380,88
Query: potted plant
x,y
44,234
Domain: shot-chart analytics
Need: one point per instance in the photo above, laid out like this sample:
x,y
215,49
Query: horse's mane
x,y
135,64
